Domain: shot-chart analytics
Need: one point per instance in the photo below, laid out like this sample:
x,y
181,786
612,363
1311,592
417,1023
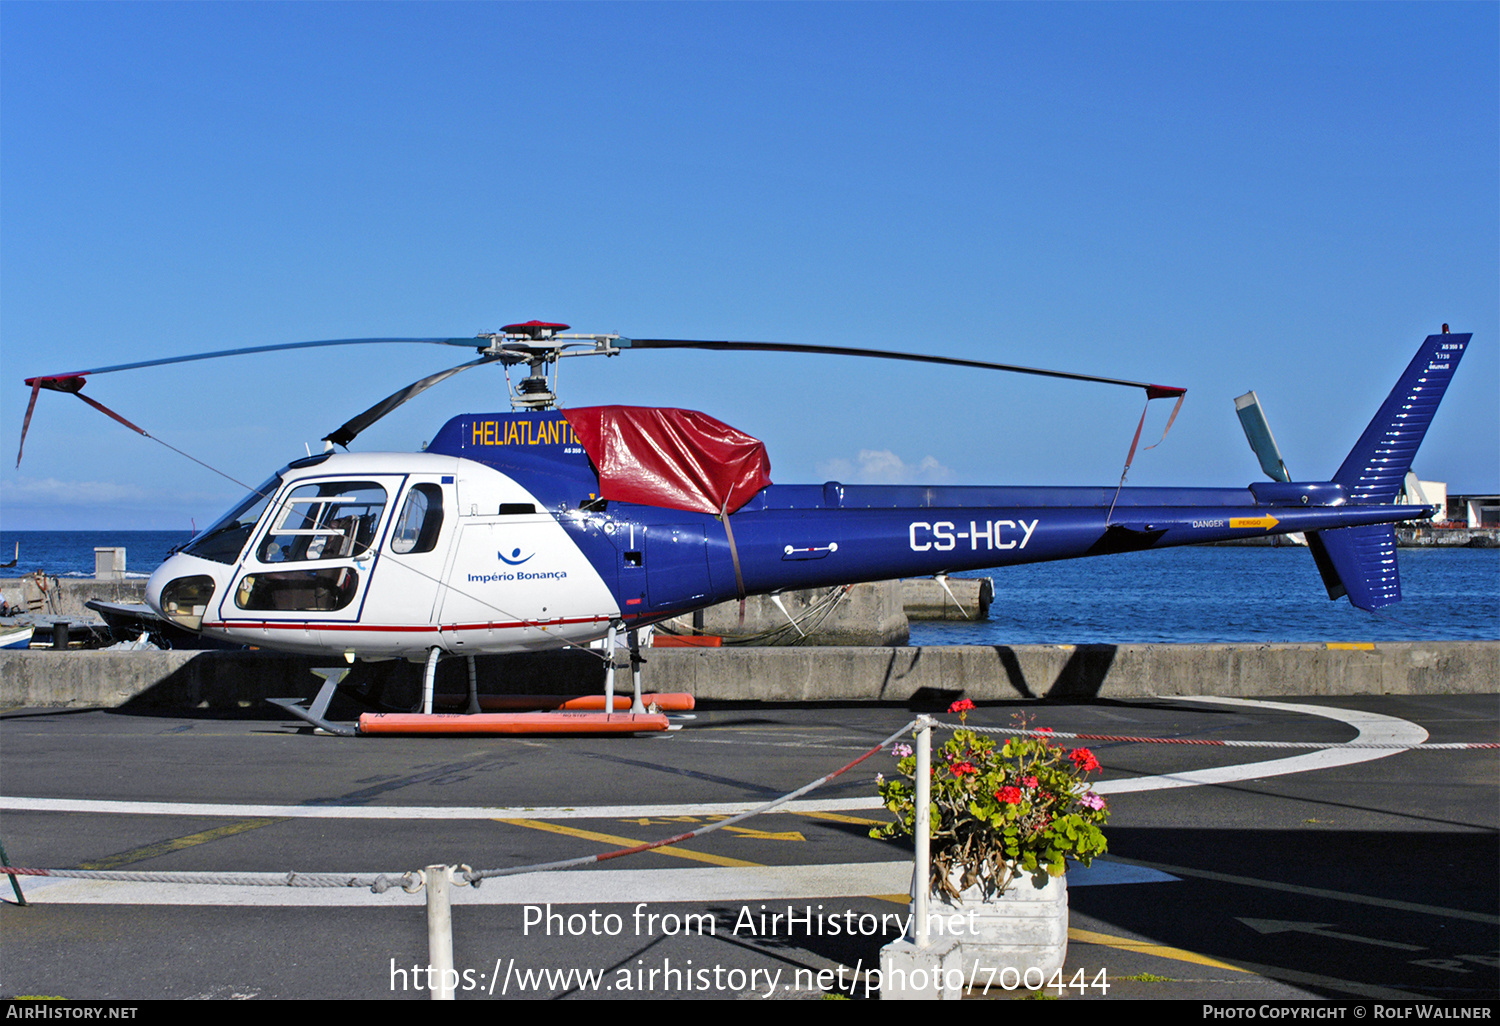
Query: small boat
x,y
17,637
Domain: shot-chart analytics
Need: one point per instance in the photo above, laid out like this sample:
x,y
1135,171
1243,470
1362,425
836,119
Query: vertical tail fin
x,y
1376,467
1361,561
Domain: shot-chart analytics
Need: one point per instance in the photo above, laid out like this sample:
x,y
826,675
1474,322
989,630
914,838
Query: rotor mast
x,y
539,345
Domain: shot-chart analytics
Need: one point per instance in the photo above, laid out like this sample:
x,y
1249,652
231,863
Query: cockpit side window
x,y
420,522
225,540
327,520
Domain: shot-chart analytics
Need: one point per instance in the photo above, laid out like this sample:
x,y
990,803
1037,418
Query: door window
x,y
420,521
321,590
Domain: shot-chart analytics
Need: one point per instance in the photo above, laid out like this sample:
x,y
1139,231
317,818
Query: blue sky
x,y
1285,197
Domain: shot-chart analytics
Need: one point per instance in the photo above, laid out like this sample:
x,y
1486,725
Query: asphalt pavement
x,y
1365,875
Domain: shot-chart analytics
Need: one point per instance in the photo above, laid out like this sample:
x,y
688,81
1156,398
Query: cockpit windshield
x,y
225,540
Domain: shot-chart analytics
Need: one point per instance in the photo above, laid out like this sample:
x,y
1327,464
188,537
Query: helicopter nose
x,y
182,589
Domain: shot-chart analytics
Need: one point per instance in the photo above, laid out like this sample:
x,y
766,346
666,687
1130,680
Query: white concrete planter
x,y
1024,928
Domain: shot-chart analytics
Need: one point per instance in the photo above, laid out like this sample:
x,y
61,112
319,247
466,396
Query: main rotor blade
x,y
476,343
346,432
1152,391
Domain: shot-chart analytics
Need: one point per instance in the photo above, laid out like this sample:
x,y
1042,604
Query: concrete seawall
x,y
65,596
237,683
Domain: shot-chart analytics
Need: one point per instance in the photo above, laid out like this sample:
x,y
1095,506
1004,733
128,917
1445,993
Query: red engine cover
x,y
680,459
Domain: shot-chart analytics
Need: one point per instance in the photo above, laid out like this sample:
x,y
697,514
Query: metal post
x,y
441,978
921,830
15,884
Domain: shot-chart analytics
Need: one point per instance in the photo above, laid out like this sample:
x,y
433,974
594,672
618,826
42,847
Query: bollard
x,y
441,977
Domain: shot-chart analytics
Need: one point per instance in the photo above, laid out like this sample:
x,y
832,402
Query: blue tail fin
x,y
1361,561
1376,467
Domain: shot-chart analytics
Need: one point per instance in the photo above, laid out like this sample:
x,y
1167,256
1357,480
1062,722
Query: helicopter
x,y
544,527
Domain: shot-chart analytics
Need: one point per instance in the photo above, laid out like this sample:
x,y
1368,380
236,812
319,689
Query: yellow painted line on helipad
x,y
151,851
1147,948
627,842
766,835
837,817
1351,646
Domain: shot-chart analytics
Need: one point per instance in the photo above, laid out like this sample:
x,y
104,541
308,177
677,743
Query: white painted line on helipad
x,y
422,811
1370,727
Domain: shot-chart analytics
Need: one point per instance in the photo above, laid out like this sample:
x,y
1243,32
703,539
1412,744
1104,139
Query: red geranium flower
x,y
1084,759
961,706
1009,795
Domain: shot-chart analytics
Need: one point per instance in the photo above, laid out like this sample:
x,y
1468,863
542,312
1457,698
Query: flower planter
x,y
1024,927
990,806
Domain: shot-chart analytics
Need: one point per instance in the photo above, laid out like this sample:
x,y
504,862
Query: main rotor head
x,y
539,345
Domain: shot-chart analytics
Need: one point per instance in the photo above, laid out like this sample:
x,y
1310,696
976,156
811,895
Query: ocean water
x,y
1226,594
71,553
1207,594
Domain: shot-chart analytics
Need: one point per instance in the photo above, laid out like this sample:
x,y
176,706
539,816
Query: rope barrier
x,y
289,879
679,838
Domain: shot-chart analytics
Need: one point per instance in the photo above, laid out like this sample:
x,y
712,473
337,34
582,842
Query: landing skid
x,y
314,713
513,723
544,714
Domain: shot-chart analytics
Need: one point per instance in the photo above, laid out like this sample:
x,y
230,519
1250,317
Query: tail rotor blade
x,y
1258,432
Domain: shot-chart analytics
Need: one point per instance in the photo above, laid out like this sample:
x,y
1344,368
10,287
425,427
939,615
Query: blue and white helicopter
x,y
541,528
